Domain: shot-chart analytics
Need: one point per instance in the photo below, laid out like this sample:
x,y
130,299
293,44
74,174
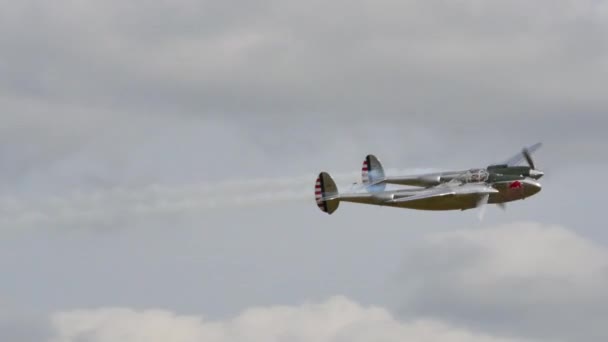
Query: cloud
x,y
337,319
338,59
117,112
517,281
279,82
534,279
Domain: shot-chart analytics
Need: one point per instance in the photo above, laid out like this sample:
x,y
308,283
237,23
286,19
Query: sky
x,y
158,159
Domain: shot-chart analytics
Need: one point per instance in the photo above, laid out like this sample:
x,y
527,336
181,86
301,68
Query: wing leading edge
x,y
448,191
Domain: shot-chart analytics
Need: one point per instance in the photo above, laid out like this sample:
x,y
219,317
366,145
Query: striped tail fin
x,y
372,173
326,193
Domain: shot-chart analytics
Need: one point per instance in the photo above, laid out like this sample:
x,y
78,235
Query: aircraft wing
x,y
436,194
418,180
423,180
519,157
446,191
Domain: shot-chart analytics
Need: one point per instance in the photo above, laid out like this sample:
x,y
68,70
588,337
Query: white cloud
x,y
542,280
522,280
338,319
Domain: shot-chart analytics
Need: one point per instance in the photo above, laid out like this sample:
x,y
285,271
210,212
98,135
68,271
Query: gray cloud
x,y
522,281
94,90
136,116
282,81
541,281
271,58
16,325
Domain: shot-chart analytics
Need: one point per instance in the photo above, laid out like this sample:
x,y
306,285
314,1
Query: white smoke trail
x,y
106,206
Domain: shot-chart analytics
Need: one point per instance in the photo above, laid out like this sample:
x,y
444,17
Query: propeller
x,y
528,157
482,204
527,154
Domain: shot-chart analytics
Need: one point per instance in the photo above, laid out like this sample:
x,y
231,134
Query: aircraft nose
x,y
532,187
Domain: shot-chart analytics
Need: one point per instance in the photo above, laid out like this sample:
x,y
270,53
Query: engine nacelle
x,y
384,197
431,180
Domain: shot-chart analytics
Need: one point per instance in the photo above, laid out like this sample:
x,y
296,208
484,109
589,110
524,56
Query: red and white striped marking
x,y
319,195
365,172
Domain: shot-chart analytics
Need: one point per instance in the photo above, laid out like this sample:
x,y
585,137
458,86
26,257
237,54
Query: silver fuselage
x,y
461,200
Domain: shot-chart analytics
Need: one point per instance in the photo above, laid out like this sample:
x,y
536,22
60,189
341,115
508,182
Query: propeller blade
x,y
482,204
528,157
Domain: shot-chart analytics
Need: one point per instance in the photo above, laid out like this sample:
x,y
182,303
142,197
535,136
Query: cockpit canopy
x,y
474,176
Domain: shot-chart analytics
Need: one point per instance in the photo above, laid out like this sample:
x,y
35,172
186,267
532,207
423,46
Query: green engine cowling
x,y
496,177
504,173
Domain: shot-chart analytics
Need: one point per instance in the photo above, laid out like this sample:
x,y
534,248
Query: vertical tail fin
x,y
326,193
372,173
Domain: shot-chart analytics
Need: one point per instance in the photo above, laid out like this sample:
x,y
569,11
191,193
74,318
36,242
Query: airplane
x,y
372,172
452,190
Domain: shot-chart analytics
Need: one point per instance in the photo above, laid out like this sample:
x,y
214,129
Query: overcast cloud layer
x,y
476,273
157,161
337,319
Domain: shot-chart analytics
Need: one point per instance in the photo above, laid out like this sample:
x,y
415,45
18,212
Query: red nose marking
x,y
516,185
